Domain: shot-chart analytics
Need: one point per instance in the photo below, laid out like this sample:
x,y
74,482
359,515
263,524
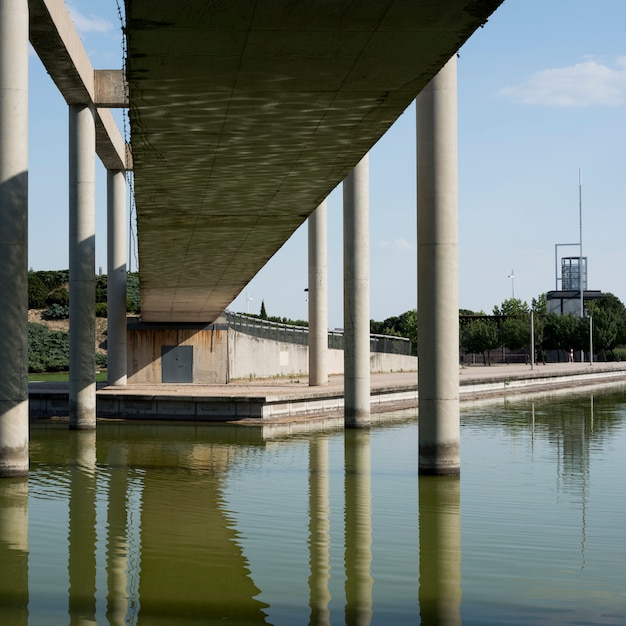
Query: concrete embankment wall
x,y
254,357
218,354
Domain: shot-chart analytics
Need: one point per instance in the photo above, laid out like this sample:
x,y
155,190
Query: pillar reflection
x,y
319,535
82,528
358,528
117,542
14,551
440,550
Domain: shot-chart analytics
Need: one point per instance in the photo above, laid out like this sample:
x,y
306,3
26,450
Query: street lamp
x,y
512,277
248,300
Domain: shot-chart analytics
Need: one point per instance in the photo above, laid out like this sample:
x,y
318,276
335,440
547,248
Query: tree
x,y
263,313
37,291
511,307
562,333
479,336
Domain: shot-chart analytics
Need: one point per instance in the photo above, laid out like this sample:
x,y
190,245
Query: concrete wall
x,y
252,357
210,354
221,354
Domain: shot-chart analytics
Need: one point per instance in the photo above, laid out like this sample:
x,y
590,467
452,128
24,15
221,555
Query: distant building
x,y
567,299
564,302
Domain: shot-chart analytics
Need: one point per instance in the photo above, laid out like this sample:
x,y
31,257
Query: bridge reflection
x,y
151,539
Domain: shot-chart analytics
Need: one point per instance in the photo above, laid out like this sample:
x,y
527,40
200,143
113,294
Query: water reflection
x,y
440,550
14,551
162,524
319,532
358,527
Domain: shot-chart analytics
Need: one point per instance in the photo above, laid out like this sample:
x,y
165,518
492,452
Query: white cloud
x,y
585,84
89,24
396,244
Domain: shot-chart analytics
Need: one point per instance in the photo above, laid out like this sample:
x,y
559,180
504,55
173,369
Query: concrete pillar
x,y
358,528
318,296
82,400
14,237
356,296
437,265
116,279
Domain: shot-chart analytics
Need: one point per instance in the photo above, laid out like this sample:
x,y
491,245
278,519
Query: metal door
x,y
177,364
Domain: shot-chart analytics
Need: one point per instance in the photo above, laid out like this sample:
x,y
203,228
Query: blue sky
x,y
542,95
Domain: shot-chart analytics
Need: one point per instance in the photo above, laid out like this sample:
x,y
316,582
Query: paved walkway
x,y
298,386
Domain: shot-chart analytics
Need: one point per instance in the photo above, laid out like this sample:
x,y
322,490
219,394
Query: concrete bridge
x,y
244,117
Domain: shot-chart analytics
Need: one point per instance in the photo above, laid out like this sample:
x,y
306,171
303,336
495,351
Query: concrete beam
x,y
111,89
56,42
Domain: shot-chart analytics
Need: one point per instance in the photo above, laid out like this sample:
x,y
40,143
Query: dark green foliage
x,y
515,333
263,313
562,333
101,289
101,360
37,291
480,335
56,312
132,293
60,296
101,309
404,325
54,278
48,351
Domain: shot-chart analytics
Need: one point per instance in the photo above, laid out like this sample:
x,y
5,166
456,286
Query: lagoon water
x,y
159,524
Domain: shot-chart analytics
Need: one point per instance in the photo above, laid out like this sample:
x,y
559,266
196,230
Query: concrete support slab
x,y
116,279
356,298
82,244
318,295
14,237
437,293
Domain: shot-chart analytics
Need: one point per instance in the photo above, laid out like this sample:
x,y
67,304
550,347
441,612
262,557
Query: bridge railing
x,y
287,333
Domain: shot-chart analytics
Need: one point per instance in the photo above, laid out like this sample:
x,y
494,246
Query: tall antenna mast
x,y
580,261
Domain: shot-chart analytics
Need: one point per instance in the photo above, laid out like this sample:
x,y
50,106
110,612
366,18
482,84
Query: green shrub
x,y
101,309
132,292
101,360
37,291
101,289
59,296
619,354
47,351
56,312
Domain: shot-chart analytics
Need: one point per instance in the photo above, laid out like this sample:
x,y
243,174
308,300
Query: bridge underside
x,y
246,114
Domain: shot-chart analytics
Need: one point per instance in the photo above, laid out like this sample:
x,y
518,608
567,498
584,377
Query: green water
x,y
157,524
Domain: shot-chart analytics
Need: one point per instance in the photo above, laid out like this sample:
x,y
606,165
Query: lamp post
x,y
248,300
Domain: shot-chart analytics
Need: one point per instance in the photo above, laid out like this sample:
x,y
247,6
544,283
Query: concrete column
x,y
356,296
14,237
437,265
116,279
318,296
82,196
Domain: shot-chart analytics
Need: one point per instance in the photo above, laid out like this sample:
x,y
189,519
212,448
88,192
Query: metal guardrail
x,y
287,333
